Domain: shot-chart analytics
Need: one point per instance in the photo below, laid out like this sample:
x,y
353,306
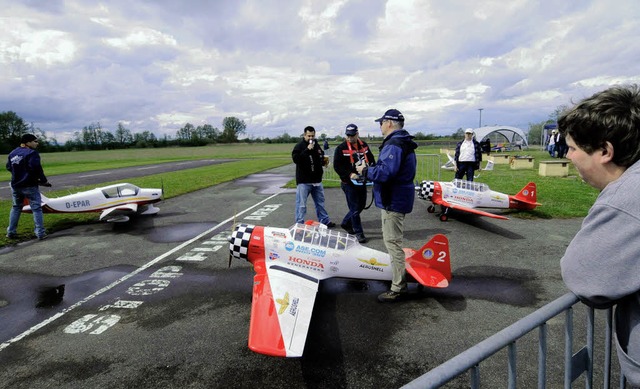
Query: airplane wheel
x,y
431,209
444,218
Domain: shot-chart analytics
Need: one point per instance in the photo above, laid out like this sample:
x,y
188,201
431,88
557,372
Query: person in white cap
x,y
468,156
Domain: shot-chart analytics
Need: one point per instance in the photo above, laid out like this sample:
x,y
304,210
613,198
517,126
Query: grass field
x,y
561,197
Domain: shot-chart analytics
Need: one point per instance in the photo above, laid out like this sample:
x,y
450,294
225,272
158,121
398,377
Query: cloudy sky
x,y
281,65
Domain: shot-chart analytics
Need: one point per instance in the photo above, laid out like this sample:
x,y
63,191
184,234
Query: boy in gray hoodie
x,y
602,263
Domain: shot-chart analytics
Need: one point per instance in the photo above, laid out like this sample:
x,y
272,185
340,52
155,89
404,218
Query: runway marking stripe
x,y
127,276
94,175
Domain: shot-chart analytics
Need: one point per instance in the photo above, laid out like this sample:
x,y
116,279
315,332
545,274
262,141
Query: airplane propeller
x,y
233,228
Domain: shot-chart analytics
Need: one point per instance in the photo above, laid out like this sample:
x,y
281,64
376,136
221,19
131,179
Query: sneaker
x,y
391,296
347,228
43,237
331,225
12,236
362,238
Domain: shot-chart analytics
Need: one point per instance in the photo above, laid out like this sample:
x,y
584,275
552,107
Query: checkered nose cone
x,y
239,241
426,190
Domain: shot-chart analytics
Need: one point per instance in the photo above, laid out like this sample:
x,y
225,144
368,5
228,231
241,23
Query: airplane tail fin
x,y
527,197
431,265
26,206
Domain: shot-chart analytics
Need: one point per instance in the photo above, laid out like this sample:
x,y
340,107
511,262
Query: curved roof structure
x,y
502,134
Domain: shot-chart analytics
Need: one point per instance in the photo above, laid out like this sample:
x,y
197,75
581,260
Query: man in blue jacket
x,y
393,192
26,174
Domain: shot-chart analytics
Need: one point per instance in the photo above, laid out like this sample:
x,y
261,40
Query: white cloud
x,y
282,66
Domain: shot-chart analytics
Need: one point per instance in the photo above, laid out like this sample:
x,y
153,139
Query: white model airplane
x,y
468,195
116,202
290,262
451,165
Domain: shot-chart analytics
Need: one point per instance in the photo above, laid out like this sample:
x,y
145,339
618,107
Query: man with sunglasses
x,y
26,174
393,191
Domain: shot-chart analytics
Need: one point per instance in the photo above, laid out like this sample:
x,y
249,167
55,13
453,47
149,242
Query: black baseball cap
x,y
392,114
351,130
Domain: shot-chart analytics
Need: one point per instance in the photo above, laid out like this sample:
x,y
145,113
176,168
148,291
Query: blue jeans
x,y
465,168
33,194
356,199
317,194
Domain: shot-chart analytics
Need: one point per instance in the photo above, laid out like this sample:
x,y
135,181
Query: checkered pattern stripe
x,y
239,241
426,190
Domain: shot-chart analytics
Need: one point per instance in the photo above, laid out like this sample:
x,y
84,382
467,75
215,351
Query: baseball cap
x,y
352,129
392,114
26,138
468,131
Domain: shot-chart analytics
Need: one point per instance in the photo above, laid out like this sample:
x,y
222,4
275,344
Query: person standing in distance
x,y
393,191
602,263
309,159
26,174
347,154
468,156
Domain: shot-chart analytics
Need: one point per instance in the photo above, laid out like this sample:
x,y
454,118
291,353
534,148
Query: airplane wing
x,y
463,208
123,209
281,312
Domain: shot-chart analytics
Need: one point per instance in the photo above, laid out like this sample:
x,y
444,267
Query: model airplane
x,y
468,195
116,202
290,262
451,165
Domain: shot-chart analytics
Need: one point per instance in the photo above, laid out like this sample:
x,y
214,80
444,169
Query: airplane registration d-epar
x,y
290,262
115,202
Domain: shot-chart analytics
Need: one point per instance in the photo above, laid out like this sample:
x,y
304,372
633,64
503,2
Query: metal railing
x,y
575,364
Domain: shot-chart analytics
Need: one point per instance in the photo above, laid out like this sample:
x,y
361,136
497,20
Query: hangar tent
x,y
509,137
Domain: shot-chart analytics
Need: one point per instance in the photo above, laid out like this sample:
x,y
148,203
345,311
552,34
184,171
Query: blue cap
x,y
352,129
392,114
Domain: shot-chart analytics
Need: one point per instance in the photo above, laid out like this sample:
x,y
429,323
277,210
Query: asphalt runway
x,y
152,303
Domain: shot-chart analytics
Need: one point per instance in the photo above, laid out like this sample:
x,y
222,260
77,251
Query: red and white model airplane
x,y
468,195
116,202
290,262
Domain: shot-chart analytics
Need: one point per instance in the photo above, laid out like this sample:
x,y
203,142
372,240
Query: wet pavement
x,y
153,303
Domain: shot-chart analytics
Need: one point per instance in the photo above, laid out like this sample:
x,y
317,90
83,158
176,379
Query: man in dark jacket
x,y
309,159
347,154
468,156
26,174
393,191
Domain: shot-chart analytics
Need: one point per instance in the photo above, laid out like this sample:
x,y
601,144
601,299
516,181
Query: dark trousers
x,y
466,168
356,201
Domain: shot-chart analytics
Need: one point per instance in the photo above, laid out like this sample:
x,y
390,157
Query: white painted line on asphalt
x,y
93,175
147,167
126,277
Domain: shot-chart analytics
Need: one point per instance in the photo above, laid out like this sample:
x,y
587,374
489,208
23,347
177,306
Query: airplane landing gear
x,y
443,216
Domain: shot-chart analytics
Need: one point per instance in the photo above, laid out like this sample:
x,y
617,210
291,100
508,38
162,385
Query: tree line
x,y
95,137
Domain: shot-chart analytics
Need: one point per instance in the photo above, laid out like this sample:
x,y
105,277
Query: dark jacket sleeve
x,y
341,164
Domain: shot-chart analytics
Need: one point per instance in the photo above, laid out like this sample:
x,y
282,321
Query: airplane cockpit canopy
x,y
320,235
470,185
123,190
